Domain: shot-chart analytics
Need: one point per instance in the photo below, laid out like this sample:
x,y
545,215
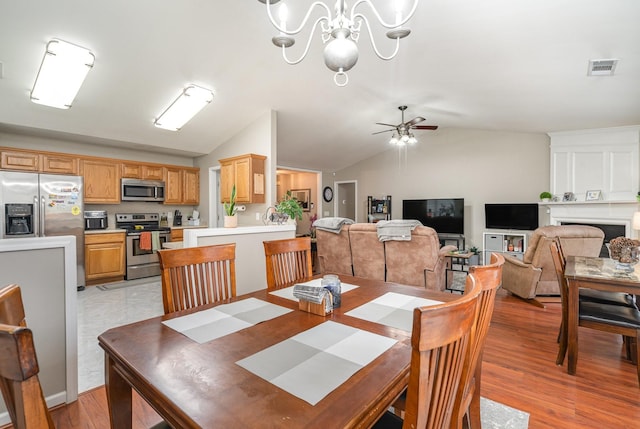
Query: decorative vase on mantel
x,y
231,221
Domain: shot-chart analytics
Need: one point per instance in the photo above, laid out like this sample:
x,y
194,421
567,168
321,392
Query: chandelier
x,y
340,33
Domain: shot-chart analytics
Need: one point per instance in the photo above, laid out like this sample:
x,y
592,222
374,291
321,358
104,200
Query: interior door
x,y
345,204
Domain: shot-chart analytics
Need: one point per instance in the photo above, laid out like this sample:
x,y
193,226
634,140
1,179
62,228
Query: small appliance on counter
x,y
177,218
95,219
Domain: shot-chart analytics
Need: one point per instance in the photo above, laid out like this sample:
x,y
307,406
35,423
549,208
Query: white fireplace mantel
x,y
594,212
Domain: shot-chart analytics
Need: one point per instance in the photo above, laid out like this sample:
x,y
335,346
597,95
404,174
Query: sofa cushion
x,y
334,251
367,252
409,261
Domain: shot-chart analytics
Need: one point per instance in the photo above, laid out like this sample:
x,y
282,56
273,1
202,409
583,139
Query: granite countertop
x,y
202,225
104,231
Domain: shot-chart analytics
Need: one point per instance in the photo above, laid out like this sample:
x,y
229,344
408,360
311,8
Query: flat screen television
x,y
445,215
520,216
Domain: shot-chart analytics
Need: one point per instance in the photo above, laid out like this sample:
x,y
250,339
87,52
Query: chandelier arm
x,y
306,49
380,20
304,21
373,43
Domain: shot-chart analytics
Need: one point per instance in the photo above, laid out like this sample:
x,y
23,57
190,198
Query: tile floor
x,y
104,307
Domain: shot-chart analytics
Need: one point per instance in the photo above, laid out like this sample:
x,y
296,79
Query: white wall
x,y
260,138
477,165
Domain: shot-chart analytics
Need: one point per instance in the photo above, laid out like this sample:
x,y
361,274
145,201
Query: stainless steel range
x,y
145,237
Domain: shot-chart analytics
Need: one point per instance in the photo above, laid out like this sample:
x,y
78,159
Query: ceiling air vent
x,y
602,67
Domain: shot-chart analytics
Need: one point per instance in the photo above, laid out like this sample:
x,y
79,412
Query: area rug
x,y
499,416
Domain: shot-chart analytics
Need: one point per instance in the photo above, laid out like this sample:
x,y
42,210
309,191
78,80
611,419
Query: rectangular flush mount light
x,y
63,69
191,101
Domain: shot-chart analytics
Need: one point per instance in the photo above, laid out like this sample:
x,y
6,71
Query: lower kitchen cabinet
x,y
104,257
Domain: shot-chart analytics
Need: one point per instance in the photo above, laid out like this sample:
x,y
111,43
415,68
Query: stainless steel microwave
x,y
142,190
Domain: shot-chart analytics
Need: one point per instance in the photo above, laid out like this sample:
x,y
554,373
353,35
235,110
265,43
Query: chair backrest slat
x,y
195,276
287,261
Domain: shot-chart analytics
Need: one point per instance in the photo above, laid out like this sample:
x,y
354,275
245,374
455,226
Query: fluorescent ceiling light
x,y
63,69
191,101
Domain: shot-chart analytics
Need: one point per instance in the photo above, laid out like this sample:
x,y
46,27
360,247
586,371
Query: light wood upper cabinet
x,y
133,170
101,181
152,172
247,173
19,160
59,164
182,185
104,257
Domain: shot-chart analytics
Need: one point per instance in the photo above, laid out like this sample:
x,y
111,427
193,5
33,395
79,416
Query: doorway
x,y
345,204
216,211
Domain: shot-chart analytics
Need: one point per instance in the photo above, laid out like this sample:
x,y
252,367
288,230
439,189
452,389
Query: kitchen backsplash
x,y
140,207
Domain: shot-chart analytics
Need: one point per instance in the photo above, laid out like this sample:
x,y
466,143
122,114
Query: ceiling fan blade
x,y
385,131
416,120
425,127
387,125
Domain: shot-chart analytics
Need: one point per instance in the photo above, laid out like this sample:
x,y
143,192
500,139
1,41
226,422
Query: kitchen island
x,y
250,261
45,270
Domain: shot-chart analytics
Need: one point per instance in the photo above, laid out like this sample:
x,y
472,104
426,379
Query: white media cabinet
x,y
508,243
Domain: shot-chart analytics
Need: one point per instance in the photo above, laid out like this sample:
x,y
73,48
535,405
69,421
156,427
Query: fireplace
x,y
610,232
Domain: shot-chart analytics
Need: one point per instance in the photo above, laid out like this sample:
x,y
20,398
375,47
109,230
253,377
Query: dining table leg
x,y
572,325
118,396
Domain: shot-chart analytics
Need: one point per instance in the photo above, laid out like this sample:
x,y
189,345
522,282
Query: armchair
x,y
535,274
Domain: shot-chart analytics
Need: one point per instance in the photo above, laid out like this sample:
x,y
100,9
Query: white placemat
x,y
391,309
216,322
287,292
313,363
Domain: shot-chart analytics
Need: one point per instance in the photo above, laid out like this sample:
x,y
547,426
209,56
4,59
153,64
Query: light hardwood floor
x,y
519,370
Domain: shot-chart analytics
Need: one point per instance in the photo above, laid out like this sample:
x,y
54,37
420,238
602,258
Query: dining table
x,y
593,273
251,375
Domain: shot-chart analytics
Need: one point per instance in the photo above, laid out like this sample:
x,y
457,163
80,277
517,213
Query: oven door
x,y
137,256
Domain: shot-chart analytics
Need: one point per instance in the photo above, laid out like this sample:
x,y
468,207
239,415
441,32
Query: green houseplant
x,y
290,206
545,196
230,209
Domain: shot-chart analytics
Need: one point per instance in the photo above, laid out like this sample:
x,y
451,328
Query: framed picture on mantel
x,y
568,196
593,195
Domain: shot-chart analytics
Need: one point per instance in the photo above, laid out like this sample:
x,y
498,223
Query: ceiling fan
x,y
402,132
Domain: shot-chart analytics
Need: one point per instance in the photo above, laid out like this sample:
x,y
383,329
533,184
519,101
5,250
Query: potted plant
x,y
545,196
475,258
230,218
290,206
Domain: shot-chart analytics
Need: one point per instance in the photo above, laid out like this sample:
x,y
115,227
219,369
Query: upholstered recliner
x,y
535,275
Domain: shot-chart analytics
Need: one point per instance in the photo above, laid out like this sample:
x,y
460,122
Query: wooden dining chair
x,y
19,381
616,319
195,276
287,261
439,340
466,407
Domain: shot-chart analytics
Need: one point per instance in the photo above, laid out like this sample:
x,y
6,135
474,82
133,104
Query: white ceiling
x,y
491,64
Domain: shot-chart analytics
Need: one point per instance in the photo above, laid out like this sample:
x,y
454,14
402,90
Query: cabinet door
x,y
101,181
177,234
243,180
26,161
191,186
152,172
173,185
104,256
131,171
227,179
60,164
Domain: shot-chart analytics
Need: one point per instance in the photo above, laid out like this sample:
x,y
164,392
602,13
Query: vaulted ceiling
x,y
491,64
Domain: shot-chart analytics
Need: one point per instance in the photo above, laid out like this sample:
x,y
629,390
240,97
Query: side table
x,y
457,270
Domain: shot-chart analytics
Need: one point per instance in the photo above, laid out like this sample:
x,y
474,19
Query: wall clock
x,y
327,194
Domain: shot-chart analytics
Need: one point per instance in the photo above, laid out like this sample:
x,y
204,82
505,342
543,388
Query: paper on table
x,y
287,292
207,325
315,362
391,309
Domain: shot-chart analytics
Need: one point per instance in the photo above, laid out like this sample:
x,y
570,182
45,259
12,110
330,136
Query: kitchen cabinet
x,y
104,257
247,173
59,164
142,171
20,160
177,234
182,185
101,181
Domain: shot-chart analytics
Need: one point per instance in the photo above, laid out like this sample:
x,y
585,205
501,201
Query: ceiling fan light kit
x,y
402,134
340,33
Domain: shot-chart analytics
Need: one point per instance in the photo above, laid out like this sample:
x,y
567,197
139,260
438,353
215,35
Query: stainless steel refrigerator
x,y
41,205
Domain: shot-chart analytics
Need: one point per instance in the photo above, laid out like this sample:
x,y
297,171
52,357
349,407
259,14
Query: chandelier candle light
x,y
340,33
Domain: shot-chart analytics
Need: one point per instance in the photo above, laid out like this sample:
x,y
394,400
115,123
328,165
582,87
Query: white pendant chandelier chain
x,y
340,33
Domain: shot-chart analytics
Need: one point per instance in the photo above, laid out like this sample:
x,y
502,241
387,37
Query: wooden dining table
x,y
592,273
193,384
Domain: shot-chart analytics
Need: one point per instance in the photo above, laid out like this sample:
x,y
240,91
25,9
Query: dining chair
x,y
11,306
287,261
195,276
616,319
439,341
467,404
